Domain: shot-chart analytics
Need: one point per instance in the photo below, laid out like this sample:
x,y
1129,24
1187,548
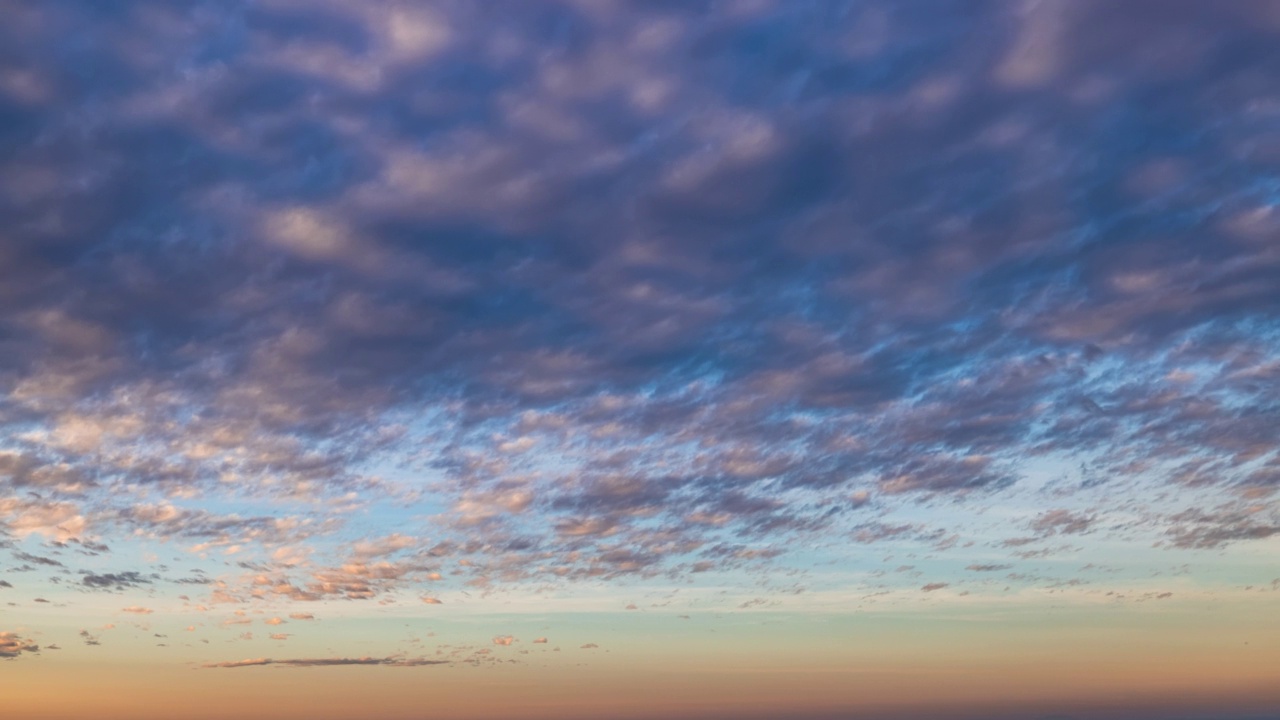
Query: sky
x,y
878,359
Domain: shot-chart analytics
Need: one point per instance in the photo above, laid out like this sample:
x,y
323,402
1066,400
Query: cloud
x,y
988,567
383,546
503,640
540,641
137,610
877,531
13,645
166,521
37,559
28,471
116,581
432,601
61,521
934,586
589,646
301,616
1062,521
392,661
859,498
1196,529
664,296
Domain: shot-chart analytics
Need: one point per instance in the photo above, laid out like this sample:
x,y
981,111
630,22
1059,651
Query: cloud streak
x,y
329,662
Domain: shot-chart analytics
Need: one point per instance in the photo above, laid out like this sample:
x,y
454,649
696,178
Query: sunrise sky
x,y
601,359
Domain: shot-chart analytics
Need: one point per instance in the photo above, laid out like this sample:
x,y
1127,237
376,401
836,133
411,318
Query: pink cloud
x,y
12,645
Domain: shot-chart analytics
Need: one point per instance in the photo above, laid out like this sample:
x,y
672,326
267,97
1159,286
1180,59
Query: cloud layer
x,y
329,662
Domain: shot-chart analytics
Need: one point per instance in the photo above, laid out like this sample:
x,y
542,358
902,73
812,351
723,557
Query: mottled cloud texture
x,y
360,300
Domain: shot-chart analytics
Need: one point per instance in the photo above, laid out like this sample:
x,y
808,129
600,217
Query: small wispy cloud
x,y
392,661
13,645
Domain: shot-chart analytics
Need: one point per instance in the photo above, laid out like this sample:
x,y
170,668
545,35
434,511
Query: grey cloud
x,y
1207,530
167,521
116,581
38,560
878,531
25,470
1062,521
988,567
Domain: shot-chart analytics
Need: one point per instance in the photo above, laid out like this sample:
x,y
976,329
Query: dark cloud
x,y
1212,529
116,581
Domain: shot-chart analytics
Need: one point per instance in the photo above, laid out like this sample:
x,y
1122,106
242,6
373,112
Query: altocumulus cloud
x,y
329,662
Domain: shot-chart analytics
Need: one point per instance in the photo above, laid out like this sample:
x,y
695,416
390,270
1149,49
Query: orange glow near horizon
x,y
1090,662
